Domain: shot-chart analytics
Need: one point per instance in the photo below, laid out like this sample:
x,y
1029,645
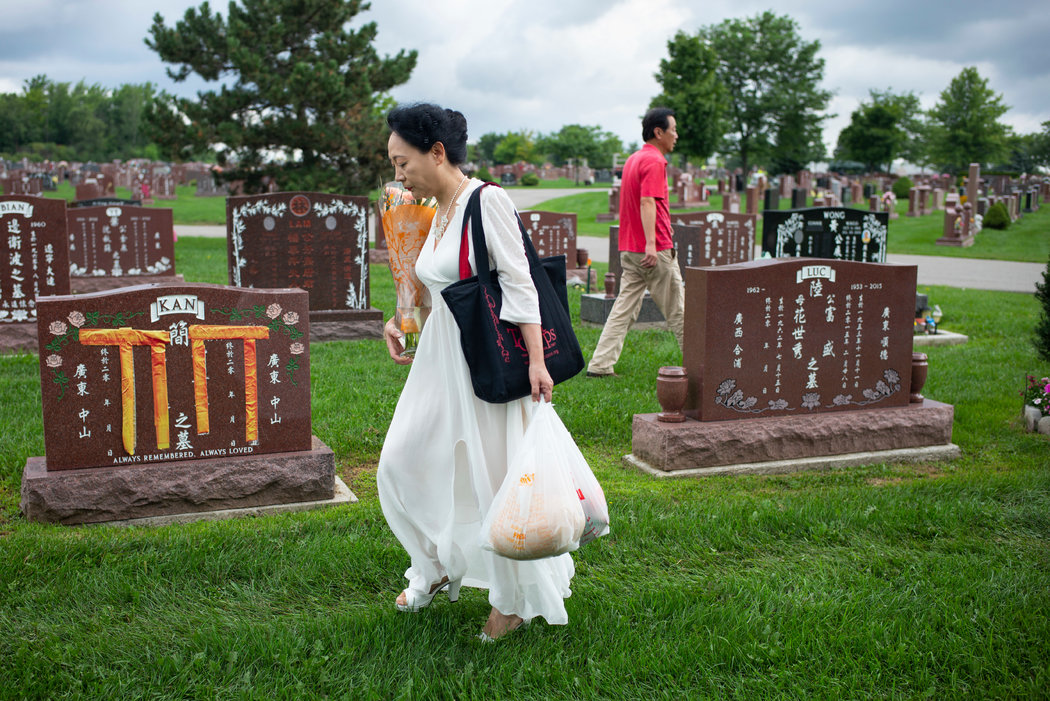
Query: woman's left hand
x,y
540,379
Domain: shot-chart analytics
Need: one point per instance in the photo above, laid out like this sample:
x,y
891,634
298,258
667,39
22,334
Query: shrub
x,y
483,174
1041,339
530,179
997,217
901,188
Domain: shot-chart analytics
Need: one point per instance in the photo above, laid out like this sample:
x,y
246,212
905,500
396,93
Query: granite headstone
x,y
826,232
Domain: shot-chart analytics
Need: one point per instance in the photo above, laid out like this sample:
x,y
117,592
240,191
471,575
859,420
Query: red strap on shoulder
x,y
464,244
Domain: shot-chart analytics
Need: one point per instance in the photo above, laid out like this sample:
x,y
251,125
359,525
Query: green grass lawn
x,y
904,581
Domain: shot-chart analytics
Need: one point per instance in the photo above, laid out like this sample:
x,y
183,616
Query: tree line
x,y
58,121
749,89
301,98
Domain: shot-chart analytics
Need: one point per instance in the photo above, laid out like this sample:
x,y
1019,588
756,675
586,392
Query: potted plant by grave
x,y
1036,401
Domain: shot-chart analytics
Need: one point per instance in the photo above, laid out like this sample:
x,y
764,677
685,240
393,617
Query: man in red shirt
x,y
647,254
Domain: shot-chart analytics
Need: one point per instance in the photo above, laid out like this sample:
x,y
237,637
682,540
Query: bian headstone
x,y
166,399
311,240
798,198
115,246
826,232
792,361
34,264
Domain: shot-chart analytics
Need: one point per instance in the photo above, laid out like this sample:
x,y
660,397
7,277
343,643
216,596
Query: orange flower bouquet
x,y
406,224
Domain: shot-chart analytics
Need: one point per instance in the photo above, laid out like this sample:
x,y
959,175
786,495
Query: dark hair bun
x,y
423,124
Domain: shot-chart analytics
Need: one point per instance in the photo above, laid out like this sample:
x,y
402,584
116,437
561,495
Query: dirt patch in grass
x,y
909,474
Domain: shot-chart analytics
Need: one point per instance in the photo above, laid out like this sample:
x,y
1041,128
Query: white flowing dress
x,y
446,452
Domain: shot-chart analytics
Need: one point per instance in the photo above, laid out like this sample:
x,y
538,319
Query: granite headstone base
x,y
345,325
960,241
103,283
607,217
595,308
100,494
694,444
18,337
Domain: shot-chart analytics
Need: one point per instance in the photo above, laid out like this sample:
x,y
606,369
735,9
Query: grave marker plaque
x,y
552,233
35,260
713,238
315,241
797,337
826,232
120,241
163,373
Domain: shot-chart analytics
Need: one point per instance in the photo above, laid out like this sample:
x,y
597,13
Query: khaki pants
x,y
664,282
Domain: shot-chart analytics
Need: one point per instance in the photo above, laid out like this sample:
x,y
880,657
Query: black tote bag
x,y
494,349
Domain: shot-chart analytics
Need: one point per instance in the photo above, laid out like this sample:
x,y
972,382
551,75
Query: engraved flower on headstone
x,y
76,319
274,310
811,400
57,328
842,399
291,318
54,361
297,348
778,404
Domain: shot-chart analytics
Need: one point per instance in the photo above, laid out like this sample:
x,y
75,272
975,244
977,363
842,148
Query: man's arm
x,y
648,212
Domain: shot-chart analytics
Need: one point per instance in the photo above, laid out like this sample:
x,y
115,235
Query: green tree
x,y
1041,335
300,93
517,146
882,130
691,87
486,146
964,124
772,80
574,141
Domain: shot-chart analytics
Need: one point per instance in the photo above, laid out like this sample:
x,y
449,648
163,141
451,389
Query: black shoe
x,y
601,374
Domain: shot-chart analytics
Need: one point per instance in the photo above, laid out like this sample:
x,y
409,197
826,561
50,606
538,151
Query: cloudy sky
x,y
541,64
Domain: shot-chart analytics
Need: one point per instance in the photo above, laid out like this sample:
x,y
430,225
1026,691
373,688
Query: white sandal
x,y
416,599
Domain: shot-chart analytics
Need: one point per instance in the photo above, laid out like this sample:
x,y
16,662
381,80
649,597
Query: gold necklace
x,y
443,221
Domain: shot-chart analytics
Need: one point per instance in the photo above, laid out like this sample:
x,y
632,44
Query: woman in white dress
x,y
446,452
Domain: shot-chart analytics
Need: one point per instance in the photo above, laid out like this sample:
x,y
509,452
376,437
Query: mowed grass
x,y
885,581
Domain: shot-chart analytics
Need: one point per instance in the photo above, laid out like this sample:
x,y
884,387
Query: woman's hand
x,y
394,344
540,380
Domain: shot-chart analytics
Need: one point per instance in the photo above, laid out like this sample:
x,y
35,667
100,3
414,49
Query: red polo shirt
x,y
644,175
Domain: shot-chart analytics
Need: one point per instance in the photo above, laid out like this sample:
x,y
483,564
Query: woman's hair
x,y
654,119
422,125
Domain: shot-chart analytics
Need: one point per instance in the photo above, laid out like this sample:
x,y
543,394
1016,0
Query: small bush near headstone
x,y
901,187
483,175
997,217
530,179
1041,339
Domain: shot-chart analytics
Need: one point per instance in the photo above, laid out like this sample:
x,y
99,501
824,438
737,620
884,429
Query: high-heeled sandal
x,y
416,599
486,638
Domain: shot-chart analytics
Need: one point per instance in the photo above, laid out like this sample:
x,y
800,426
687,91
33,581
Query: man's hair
x,y
653,119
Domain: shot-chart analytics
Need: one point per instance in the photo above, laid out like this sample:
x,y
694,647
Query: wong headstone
x,y
34,264
165,399
314,241
794,359
117,246
838,233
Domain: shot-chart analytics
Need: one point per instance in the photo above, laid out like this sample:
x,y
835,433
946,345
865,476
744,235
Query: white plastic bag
x,y
537,512
590,493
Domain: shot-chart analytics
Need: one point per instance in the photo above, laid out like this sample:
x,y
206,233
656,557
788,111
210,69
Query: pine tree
x,y
1041,339
301,98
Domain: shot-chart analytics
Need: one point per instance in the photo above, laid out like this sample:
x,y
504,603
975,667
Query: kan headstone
x,y
314,241
839,233
165,399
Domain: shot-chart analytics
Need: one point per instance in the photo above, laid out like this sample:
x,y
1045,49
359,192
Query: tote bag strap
x,y
472,223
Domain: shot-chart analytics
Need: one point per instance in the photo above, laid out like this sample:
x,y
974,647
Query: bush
x,y
997,217
1041,339
483,174
902,187
530,179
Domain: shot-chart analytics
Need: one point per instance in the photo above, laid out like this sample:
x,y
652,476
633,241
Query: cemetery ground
x,y
898,581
